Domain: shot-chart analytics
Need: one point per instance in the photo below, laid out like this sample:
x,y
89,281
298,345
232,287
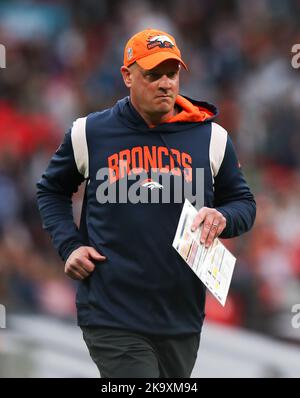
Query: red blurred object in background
x,y
231,314
23,134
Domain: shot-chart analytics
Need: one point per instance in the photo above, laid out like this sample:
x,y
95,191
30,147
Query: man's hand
x,y
213,224
79,264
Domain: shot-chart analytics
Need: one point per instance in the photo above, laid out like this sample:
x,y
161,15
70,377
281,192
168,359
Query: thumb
x,y
95,255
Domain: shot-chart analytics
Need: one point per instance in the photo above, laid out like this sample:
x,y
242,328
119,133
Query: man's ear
x,y
127,76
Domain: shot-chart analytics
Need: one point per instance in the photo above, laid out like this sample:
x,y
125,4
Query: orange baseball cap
x,y
150,47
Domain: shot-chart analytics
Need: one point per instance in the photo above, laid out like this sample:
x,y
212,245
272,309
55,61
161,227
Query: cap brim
x,y
151,61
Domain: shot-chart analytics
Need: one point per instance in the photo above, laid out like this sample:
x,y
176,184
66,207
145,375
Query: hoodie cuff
x,y
66,252
227,232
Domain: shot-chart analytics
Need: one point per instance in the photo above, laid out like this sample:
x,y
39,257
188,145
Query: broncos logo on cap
x,y
160,41
150,184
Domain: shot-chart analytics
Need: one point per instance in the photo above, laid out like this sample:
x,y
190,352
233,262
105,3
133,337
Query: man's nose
x,y
165,82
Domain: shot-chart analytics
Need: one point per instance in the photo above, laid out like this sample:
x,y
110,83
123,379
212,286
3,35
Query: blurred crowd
x,y
62,62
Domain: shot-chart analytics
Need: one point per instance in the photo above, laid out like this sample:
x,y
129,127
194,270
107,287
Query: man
x,y
140,306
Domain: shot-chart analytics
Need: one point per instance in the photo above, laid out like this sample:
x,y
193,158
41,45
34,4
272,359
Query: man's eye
x,y
153,75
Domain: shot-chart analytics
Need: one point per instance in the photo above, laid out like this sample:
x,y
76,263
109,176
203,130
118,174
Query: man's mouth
x,y
163,96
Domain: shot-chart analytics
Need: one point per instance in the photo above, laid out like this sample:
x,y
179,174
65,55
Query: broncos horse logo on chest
x,y
150,184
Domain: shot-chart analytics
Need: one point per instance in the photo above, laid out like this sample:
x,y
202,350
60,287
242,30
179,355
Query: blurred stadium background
x,y
62,62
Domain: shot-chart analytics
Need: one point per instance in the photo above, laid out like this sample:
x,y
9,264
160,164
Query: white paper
x,y
214,265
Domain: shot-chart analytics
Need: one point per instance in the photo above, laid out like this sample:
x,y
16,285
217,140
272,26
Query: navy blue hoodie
x,y
143,285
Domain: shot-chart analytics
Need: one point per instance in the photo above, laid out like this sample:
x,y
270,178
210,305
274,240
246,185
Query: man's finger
x,y
79,268
207,224
198,219
79,264
95,255
220,228
74,275
87,265
213,233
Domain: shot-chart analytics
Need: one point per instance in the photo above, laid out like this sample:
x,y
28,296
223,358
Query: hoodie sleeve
x,y
54,196
233,197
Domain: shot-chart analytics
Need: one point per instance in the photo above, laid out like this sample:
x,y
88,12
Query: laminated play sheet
x,y
214,265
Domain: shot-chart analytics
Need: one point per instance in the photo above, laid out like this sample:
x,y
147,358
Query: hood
x,y
191,112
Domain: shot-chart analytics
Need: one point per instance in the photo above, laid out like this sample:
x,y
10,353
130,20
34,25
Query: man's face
x,y
153,92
